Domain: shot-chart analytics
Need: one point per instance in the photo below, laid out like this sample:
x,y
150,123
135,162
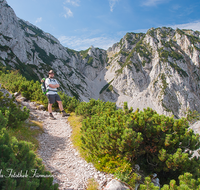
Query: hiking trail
x,y
59,156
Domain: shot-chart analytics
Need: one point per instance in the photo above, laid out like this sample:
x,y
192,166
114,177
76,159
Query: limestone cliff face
x,y
25,47
159,69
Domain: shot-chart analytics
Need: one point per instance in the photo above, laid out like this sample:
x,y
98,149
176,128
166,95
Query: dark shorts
x,y
52,98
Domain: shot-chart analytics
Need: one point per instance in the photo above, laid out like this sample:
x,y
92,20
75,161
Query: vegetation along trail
x,y
59,156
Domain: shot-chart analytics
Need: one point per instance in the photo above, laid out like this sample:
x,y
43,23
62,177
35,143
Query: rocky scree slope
x,y
159,69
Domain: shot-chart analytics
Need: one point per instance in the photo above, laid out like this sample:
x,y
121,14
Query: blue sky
x,y
78,24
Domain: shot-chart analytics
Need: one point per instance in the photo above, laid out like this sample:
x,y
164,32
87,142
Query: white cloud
x,y
82,43
153,2
112,4
73,2
176,7
38,20
192,25
68,12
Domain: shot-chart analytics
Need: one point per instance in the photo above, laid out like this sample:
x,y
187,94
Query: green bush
x,y
186,182
69,103
17,158
90,61
115,139
14,82
12,112
148,185
18,162
94,107
157,143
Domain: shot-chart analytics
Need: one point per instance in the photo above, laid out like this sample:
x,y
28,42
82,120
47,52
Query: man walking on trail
x,y
52,95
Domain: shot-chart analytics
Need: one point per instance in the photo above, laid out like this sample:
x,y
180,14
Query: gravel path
x,y
59,156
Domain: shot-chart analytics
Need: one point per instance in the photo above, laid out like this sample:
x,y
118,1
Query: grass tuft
x,y
76,124
92,184
27,132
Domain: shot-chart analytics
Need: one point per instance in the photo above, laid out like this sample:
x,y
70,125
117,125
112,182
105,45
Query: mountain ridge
x,y
159,69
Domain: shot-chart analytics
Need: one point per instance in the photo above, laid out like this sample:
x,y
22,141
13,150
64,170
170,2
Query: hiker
x,y
52,95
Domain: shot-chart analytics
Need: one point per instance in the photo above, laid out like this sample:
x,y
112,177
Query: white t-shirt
x,y
51,81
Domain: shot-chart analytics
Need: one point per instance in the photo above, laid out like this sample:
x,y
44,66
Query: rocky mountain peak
x,y
159,69
4,2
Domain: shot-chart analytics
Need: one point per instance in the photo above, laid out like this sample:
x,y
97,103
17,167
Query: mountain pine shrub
x,y
12,112
115,139
69,103
93,107
157,143
13,81
19,166
186,182
17,159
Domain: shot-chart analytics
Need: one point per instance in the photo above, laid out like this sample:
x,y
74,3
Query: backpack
x,y
43,86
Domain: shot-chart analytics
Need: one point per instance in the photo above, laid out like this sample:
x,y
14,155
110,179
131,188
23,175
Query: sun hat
x,y
51,72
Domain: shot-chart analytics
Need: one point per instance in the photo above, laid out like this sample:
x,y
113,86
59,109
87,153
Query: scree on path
x,y
59,156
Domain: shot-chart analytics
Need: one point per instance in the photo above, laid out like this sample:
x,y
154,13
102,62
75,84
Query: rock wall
x,y
159,69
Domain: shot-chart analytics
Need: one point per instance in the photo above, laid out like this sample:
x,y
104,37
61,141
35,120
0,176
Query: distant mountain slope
x,y
25,47
159,69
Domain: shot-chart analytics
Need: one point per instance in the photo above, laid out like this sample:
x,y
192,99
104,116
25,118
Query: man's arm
x,y
54,85
47,83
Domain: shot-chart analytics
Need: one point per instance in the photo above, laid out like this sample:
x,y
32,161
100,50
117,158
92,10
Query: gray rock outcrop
x,y
116,185
159,69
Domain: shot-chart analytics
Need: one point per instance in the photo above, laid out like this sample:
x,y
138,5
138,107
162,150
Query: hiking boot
x,y
51,116
65,114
